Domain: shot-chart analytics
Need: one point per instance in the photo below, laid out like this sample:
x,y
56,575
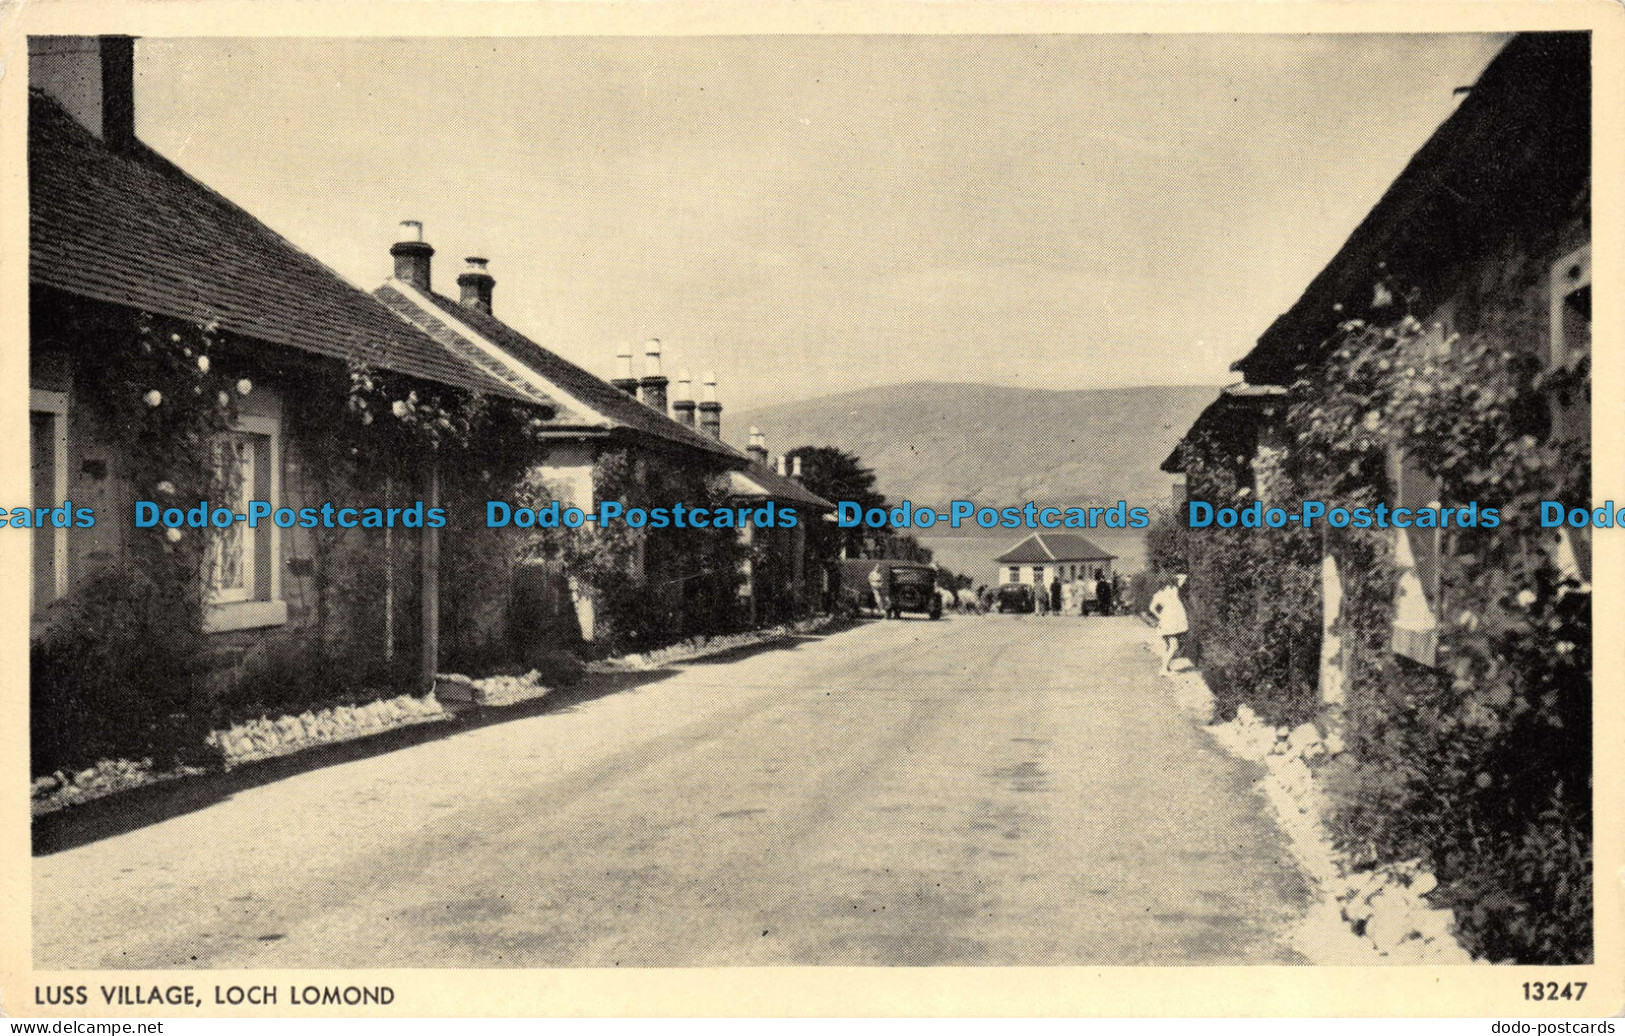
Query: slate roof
x,y
1508,162
133,229
1042,547
1234,412
578,394
758,481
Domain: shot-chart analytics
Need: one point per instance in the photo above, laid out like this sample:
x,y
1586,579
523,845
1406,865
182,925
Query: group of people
x,y
1083,596
1090,594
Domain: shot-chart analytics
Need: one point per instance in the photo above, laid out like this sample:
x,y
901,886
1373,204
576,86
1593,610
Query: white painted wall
x,y
568,473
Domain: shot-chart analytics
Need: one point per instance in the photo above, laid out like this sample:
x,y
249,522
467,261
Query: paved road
x,y
981,790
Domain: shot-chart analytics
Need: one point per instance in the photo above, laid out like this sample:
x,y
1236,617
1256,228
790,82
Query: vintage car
x,y
911,585
1014,597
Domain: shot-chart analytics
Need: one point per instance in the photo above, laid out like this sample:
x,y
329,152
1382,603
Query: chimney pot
x,y
682,407
653,384
795,466
624,379
476,282
758,446
710,409
412,257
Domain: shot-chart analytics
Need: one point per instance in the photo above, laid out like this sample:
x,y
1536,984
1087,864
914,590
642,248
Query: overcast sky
x,y
812,214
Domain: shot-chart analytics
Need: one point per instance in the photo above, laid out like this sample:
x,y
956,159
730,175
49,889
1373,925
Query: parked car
x,y
912,586
1014,597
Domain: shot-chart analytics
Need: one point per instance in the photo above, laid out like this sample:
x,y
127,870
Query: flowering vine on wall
x,y
1480,765
121,663
115,670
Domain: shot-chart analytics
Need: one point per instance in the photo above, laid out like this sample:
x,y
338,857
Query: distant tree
x,y
899,547
839,476
1165,547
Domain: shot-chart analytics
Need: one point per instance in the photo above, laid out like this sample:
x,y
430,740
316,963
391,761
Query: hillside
x,y
932,442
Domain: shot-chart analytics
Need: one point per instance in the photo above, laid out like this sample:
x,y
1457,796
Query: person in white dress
x,y
1172,623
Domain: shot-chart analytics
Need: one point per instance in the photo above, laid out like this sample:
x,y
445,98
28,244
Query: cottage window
x,y
1015,574
231,551
48,439
241,563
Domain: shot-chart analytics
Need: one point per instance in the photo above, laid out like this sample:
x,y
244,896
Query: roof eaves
x,y
640,419
1009,553
505,365
770,484
338,322
1239,398
1305,325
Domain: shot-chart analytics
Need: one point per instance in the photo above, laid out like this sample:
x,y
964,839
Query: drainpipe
x,y
431,586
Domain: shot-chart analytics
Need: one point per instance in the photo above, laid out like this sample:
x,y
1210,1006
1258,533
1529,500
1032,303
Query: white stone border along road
x,y
245,742
1379,916
267,738
702,647
61,790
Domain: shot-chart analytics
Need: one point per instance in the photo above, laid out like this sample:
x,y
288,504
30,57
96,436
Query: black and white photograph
x,y
828,499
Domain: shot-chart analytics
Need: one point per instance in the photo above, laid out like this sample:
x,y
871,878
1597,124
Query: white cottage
x,y
1043,557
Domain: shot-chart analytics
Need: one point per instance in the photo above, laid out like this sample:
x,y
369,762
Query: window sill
x,y
244,615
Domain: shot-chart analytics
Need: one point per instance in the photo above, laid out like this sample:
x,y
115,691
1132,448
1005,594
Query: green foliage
x,y
121,665
651,586
1165,557
115,675
837,476
1481,767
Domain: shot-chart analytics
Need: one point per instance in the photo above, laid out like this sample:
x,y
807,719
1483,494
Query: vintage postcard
x,y
811,509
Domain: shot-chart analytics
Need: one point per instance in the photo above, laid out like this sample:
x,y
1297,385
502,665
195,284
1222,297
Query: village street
x,y
979,790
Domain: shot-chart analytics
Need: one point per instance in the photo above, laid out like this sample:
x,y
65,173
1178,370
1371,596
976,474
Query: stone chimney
x,y
710,409
476,283
682,407
412,257
93,78
758,446
653,384
624,378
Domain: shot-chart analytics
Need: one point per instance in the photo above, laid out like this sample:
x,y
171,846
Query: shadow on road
x,y
744,651
136,808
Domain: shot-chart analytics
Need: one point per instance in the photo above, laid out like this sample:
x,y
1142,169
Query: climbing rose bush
x,y
1480,766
